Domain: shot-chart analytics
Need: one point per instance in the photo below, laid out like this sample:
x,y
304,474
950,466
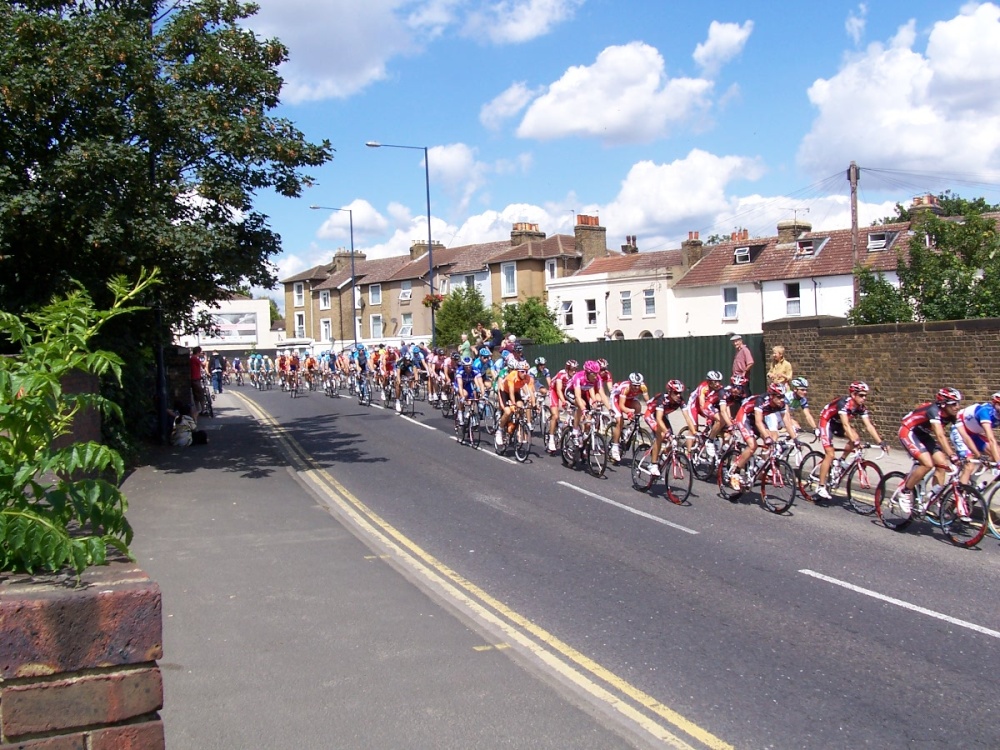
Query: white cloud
x,y
855,23
894,107
516,21
506,105
624,97
367,222
725,41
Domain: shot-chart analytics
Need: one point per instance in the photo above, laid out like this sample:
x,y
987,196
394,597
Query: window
x,y
741,255
300,325
405,290
508,279
375,294
300,294
443,284
406,329
626,304
470,281
357,297
591,312
375,322
649,296
730,307
567,313
805,248
325,330
878,240
324,299
550,269
793,300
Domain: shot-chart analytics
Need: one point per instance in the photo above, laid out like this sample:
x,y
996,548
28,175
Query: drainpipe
x,y
815,296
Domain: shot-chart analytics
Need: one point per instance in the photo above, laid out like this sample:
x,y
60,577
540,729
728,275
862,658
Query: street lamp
x,y
354,291
430,244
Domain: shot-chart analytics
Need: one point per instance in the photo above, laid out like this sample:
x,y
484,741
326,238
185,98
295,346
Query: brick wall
x,y
904,363
78,665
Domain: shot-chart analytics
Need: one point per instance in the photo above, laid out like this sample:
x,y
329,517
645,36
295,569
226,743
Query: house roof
x,y
556,246
316,272
450,260
772,260
374,271
632,262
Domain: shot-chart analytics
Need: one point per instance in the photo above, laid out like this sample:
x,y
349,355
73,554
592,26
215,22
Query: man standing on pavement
x,y
743,360
217,366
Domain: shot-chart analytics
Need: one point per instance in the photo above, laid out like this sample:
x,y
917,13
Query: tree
x,y
533,320
459,313
136,133
880,302
275,312
950,205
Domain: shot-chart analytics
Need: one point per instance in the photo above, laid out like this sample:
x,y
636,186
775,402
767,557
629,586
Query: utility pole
x,y
852,177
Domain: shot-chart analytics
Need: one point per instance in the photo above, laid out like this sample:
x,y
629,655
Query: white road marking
x,y
904,605
650,516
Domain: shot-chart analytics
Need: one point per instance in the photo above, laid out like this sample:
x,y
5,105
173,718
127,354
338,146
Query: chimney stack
x,y
926,204
692,250
790,230
591,239
629,248
342,259
418,248
523,232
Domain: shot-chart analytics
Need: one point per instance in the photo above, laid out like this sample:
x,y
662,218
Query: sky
x,y
659,117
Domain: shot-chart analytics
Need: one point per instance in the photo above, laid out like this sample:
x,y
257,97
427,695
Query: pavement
x,y
284,630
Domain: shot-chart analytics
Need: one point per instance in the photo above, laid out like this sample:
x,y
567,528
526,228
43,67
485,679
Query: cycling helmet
x,y
602,363
591,366
859,386
738,380
714,375
776,389
800,383
484,352
456,357
540,361
407,357
521,365
466,361
572,364
636,379
675,386
995,398
518,348
948,396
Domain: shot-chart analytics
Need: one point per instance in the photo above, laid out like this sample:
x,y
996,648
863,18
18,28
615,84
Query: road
x,y
727,625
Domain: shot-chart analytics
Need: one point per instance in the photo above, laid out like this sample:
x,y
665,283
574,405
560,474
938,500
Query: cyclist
x,y
922,433
835,418
310,366
558,398
465,385
658,410
282,364
541,375
294,366
974,432
749,420
606,379
516,390
584,388
483,367
727,398
702,403
798,398
405,368
625,404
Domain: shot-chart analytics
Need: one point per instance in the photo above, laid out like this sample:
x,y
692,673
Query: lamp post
x,y
430,244
354,291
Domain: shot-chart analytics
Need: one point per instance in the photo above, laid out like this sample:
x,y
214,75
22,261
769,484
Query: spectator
x,y
482,336
217,366
781,369
465,348
197,391
496,337
743,360
185,431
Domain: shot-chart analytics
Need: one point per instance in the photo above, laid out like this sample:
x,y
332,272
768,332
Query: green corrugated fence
x,y
660,360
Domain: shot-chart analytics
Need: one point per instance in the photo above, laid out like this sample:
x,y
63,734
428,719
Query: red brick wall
x,y
78,665
904,363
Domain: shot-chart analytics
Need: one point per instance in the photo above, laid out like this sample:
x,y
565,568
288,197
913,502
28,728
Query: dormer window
x,y
879,241
741,255
805,248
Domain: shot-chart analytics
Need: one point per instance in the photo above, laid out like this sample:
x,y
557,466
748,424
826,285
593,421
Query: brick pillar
x,y
78,665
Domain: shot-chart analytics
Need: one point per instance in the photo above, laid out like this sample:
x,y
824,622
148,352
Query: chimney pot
x,y
696,234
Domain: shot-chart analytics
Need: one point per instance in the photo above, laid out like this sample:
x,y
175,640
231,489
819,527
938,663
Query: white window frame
x,y
591,305
406,327
730,307
300,325
805,248
405,290
375,326
443,285
325,329
626,300
375,294
508,290
793,303
299,290
878,240
649,303
357,298
324,299
566,312
550,269
741,255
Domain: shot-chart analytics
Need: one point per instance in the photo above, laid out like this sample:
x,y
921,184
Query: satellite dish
x,y
658,333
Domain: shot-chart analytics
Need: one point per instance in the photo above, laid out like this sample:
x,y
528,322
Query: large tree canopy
x,y
135,133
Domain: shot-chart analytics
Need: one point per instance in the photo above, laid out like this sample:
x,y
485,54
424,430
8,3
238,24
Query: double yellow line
x,y
645,712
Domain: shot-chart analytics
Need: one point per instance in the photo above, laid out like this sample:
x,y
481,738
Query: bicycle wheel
x,y
447,405
703,463
678,476
522,440
567,448
727,465
408,405
597,458
964,501
777,486
862,480
475,429
993,511
808,474
642,480
487,416
887,502
366,393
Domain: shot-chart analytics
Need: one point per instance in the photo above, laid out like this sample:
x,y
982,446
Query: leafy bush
x,y
59,506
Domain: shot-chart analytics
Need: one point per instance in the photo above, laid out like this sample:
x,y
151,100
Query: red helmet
x,y
738,380
859,386
675,386
776,389
602,363
948,396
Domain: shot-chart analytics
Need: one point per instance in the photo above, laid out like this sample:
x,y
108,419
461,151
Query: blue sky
x,y
661,117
